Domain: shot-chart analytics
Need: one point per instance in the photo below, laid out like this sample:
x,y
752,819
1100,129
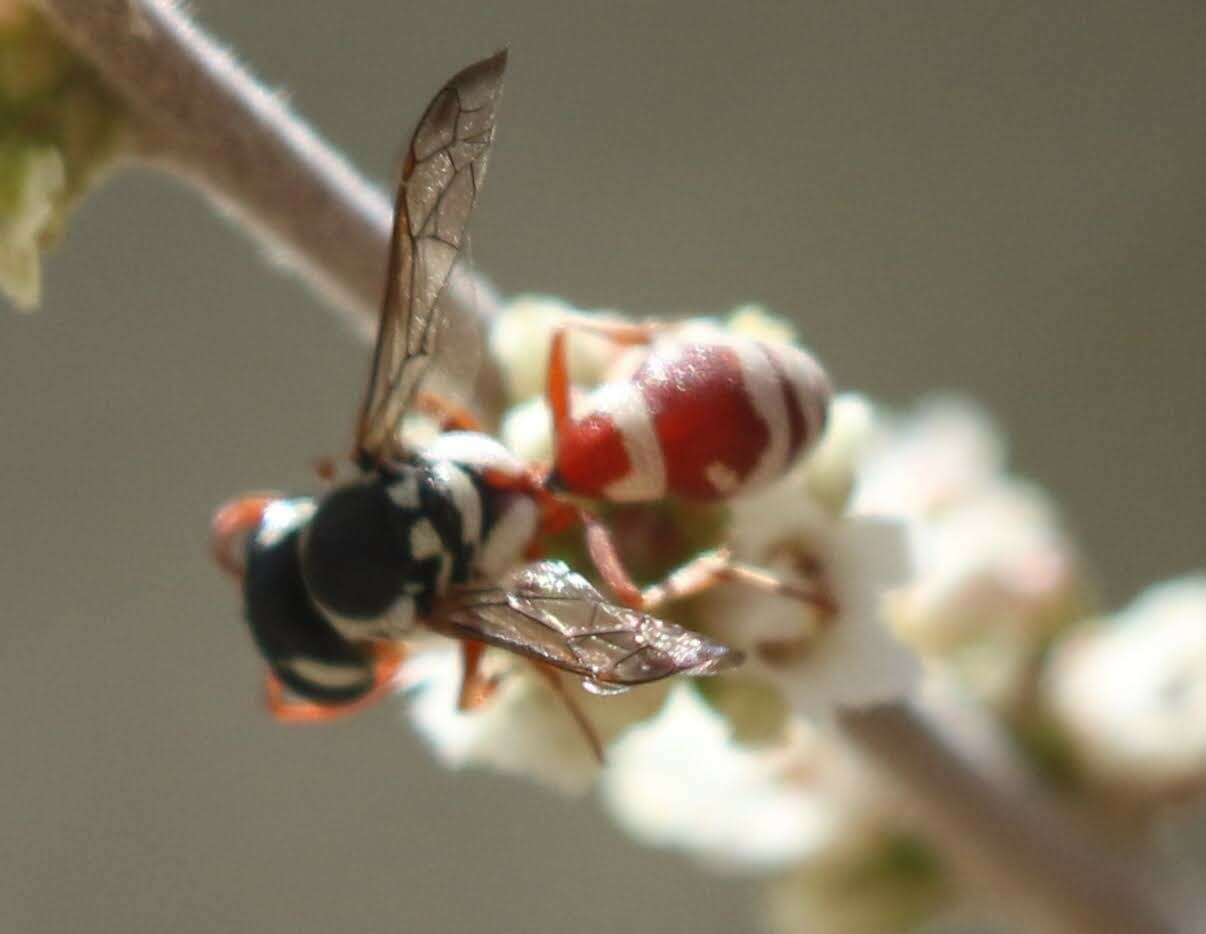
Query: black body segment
x,y
359,555
301,647
380,551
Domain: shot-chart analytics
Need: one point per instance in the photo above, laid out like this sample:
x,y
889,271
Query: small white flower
x,y
681,781
832,467
527,430
1131,693
821,664
997,561
756,322
996,573
945,454
818,661
523,728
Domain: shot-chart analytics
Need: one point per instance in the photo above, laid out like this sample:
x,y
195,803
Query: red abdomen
x,y
702,421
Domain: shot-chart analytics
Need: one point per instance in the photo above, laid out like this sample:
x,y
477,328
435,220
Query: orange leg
x,y
718,567
697,575
557,514
557,385
607,561
387,660
700,573
557,382
451,415
231,522
553,677
327,470
624,333
475,688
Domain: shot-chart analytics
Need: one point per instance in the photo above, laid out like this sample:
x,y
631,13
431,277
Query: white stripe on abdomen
x,y
625,405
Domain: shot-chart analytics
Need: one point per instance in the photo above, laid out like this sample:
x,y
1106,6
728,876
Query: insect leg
x,y
716,567
387,660
451,415
559,515
697,575
624,333
327,470
557,382
553,678
700,573
475,688
231,522
288,709
605,556
557,385
601,547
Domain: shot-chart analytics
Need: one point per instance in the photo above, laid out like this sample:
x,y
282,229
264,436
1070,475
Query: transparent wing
x,y
549,613
441,177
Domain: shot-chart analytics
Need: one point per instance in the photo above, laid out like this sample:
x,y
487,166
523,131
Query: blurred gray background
x,y
1005,198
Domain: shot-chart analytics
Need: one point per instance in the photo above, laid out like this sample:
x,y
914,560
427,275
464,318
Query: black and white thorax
x,y
380,551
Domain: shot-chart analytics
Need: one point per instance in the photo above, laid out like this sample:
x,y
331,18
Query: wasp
x,y
430,536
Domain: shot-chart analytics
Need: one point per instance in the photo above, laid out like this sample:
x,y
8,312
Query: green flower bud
x,y
59,129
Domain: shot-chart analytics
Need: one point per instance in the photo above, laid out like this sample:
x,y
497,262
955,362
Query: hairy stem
x,y
202,116
1046,869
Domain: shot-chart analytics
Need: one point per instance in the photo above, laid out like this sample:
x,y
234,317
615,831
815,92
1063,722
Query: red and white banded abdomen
x,y
701,420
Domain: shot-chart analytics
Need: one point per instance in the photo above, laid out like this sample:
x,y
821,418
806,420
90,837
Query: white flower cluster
x,y
523,729
996,574
909,528
681,780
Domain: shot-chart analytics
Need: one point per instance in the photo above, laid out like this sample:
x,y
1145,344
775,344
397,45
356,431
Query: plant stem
x,y
1045,869
202,116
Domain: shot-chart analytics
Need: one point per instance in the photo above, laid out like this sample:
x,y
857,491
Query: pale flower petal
x,y
523,729
1131,693
946,453
527,430
832,467
818,663
756,322
997,561
997,574
680,781
519,342
857,661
